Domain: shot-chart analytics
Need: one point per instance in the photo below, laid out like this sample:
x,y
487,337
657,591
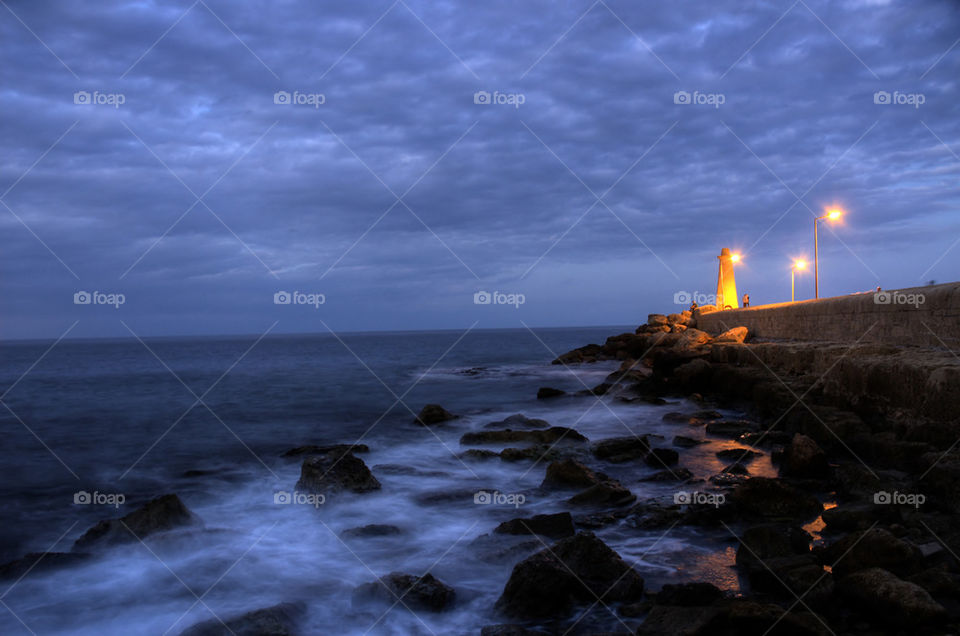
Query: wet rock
x,y
510,630
337,449
621,449
329,474
743,455
552,435
371,530
434,414
577,570
689,594
769,541
849,517
743,616
608,492
673,620
874,548
536,453
774,499
555,526
731,428
883,596
418,592
569,473
939,582
37,562
687,442
679,474
479,453
662,457
693,374
804,458
735,335
519,421
546,392
279,620
163,513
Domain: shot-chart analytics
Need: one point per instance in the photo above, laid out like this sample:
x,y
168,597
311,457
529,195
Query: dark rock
x,y
336,449
804,458
693,374
687,442
675,474
769,541
329,474
519,421
738,454
479,453
417,592
552,435
621,449
434,414
689,594
569,473
163,513
676,620
662,457
546,392
744,616
372,530
883,597
773,499
37,562
510,630
731,428
850,517
939,582
279,620
606,493
874,548
577,570
555,526
536,453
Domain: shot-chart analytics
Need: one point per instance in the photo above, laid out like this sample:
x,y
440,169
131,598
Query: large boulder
x,y
577,570
519,421
434,414
873,548
657,320
608,492
417,592
279,620
330,474
662,457
552,435
804,458
736,335
884,597
163,513
546,392
555,526
569,473
621,449
773,499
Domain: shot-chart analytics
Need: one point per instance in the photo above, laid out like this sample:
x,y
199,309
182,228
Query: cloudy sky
x,y
398,157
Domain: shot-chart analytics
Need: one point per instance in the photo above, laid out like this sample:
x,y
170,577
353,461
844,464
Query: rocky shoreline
x,y
854,534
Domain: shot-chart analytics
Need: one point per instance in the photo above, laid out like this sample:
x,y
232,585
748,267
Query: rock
x,y
577,570
672,620
939,582
743,616
372,530
36,562
695,373
662,457
693,338
850,517
329,474
689,594
163,513
569,473
804,458
657,320
770,541
537,453
519,421
434,414
884,597
738,454
479,453
552,435
279,620
731,428
338,449
874,548
621,449
418,592
773,499
555,526
608,492
510,630
687,442
732,336
675,474
546,392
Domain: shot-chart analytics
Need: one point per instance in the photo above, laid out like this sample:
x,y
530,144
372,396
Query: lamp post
x,y
832,215
793,271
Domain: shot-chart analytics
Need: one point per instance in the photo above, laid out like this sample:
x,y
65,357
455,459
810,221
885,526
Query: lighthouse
x,y
726,283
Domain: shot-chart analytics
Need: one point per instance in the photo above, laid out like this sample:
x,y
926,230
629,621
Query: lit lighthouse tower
x,y
726,283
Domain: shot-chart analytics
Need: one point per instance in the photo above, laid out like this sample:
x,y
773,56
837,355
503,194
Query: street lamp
x,y
832,215
793,271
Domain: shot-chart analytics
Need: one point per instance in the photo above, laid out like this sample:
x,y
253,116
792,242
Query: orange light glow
x,y
735,258
800,264
834,213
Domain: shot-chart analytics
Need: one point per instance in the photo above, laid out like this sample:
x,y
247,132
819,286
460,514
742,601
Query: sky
x,y
228,167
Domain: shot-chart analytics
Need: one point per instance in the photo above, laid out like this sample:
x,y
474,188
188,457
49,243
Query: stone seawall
x,y
921,316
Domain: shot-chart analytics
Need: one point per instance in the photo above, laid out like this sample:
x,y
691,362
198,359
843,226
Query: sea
x,y
92,429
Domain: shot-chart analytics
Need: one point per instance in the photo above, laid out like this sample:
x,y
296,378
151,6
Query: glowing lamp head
x,y
800,264
735,258
834,213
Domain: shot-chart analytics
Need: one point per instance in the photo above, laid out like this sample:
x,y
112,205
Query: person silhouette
x,y
746,300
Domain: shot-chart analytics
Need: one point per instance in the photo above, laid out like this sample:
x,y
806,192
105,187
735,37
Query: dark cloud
x,y
491,196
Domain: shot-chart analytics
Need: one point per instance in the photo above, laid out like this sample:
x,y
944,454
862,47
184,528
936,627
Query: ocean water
x,y
208,419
